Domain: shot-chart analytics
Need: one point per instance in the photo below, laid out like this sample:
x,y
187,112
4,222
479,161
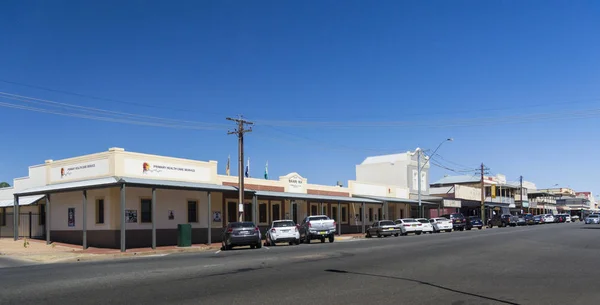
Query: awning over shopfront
x,y
27,200
397,200
69,186
302,196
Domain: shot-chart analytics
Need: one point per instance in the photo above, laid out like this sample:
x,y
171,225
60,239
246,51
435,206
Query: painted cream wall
x,y
380,190
37,177
166,200
60,204
121,155
255,181
52,165
328,188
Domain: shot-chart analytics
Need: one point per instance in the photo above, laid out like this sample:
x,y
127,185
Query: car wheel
x,y
396,234
462,229
272,243
252,246
418,233
307,239
322,239
331,238
480,228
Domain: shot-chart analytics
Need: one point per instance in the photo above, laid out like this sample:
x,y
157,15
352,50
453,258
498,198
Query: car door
x,y
374,228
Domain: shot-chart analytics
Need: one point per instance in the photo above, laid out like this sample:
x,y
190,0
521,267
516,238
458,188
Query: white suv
x,y
282,231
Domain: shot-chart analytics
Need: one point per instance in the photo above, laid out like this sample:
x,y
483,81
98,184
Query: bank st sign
x,y
296,183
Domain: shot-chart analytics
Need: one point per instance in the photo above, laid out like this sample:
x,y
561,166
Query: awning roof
x,y
302,196
163,184
26,200
396,200
69,186
116,181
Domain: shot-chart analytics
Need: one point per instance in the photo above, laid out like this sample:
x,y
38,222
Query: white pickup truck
x,y
317,227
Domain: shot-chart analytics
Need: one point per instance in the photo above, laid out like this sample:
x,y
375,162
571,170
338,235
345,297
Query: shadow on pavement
x,y
423,283
592,228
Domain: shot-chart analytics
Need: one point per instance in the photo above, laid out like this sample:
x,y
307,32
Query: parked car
x,y
575,218
548,218
538,219
282,231
592,219
521,220
317,227
528,219
409,225
383,228
474,222
427,226
559,218
567,218
504,220
458,220
238,234
441,224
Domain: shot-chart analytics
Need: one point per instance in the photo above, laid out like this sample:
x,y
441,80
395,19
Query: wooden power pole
x,y
240,131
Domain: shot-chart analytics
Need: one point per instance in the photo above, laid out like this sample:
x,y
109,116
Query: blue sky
x,y
426,66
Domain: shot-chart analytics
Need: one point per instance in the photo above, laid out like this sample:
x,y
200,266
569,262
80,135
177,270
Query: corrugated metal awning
x,y
69,186
26,200
176,184
302,196
397,200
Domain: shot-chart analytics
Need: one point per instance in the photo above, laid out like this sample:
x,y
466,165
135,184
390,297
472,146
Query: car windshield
x,y
313,218
441,219
474,218
387,223
279,224
593,216
423,221
409,220
245,224
457,216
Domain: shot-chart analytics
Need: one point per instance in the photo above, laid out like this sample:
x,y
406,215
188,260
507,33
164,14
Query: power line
x,y
97,98
93,110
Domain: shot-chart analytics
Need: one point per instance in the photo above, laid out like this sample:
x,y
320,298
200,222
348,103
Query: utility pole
x,y
483,171
521,193
240,131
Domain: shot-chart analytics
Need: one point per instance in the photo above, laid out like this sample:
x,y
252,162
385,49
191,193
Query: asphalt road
x,y
546,264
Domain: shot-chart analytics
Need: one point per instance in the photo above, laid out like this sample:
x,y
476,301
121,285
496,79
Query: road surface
x,y
544,264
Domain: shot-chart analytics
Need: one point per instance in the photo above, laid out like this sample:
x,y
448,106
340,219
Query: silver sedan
x,y
383,228
592,219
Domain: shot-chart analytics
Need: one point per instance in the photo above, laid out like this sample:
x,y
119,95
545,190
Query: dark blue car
x,y
474,222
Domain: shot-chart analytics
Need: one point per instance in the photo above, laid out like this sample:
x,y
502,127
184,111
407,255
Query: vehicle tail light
x,y
256,229
407,225
420,225
309,225
296,229
273,230
335,224
229,230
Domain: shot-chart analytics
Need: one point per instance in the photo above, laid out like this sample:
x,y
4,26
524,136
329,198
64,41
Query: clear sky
x,y
515,83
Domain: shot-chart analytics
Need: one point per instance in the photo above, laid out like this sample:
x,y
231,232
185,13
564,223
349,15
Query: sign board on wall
x,y
154,169
451,203
131,216
79,171
467,192
71,217
295,184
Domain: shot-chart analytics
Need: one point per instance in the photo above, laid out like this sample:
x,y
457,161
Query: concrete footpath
x,y
36,251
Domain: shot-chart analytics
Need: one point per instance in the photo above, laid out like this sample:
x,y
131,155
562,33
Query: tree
x,y
4,184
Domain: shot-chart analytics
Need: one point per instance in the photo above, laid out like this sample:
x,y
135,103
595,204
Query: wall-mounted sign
x,y
71,217
295,184
149,168
131,216
79,171
171,215
217,216
450,203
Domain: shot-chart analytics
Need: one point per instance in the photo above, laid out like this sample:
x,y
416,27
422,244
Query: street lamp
x,y
419,168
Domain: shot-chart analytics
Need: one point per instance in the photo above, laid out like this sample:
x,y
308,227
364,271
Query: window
x,y
313,210
335,214
248,211
380,216
192,211
370,214
3,217
42,212
360,214
100,211
344,214
276,214
146,210
232,212
295,212
262,213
